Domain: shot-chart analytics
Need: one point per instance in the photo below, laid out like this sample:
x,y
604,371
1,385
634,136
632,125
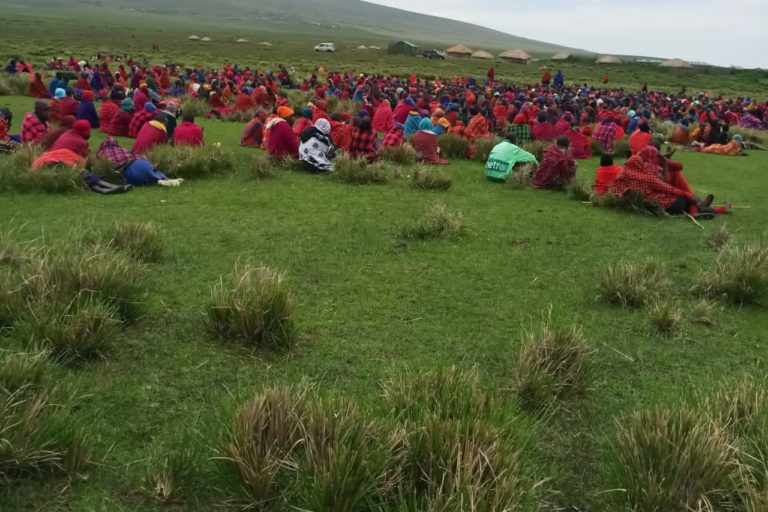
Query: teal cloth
x,y
503,158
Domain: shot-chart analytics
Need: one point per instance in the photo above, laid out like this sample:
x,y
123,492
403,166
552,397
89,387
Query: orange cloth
x,y
680,137
733,148
477,128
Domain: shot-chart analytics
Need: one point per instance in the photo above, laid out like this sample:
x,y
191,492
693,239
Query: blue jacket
x,y
87,111
411,125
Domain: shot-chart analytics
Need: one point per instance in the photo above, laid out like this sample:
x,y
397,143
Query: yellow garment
x,y
158,125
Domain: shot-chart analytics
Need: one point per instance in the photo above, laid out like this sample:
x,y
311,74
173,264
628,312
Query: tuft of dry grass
x,y
253,305
192,163
536,148
430,178
666,317
438,223
704,312
632,284
740,276
141,241
263,167
358,171
401,155
720,238
579,190
483,148
453,147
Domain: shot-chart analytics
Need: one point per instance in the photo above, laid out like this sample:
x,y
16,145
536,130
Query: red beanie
x,y
82,127
88,95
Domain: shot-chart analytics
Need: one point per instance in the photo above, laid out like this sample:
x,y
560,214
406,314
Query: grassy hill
x,y
332,17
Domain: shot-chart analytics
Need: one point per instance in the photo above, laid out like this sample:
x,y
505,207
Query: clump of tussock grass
x,y
12,253
105,170
288,163
141,241
438,223
263,167
453,146
483,148
450,466
672,459
621,149
19,370
190,163
631,201
82,272
704,312
663,130
195,106
81,330
238,116
14,85
579,190
719,239
16,174
39,436
553,364
358,171
307,453
178,467
521,176
666,317
536,148
430,178
632,284
740,276
254,306
444,393
741,405
11,297
749,134
401,155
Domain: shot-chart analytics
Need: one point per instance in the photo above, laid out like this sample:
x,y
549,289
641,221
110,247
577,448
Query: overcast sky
x,y
722,32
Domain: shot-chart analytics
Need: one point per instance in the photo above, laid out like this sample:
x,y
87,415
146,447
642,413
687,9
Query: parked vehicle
x,y
433,54
325,47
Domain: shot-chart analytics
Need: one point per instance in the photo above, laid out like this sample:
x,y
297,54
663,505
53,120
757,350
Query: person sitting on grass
x,y
136,170
55,105
169,113
580,143
682,134
140,118
36,124
153,133
521,129
341,130
384,118
557,168
316,149
68,105
640,138
426,144
121,121
606,133
87,111
303,121
478,127
394,138
363,142
109,108
505,157
282,142
6,116
253,133
636,176
606,174
70,149
411,124
188,133
52,136
37,88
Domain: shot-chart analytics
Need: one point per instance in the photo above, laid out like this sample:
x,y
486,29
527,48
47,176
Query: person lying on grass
x,y
316,149
735,147
136,170
557,168
505,158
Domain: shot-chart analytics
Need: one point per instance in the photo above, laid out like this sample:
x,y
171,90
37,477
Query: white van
x,y
325,47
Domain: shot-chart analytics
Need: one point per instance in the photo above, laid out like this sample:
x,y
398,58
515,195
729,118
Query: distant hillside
x,y
275,15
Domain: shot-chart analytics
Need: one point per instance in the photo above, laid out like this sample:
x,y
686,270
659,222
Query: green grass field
x,y
368,308
375,314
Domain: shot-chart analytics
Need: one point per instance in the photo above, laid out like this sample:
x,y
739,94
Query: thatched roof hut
x,y
193,38
362,47
241,40
561,56
482,54
459,51
515,55
265,43
676,63
206,39
608,59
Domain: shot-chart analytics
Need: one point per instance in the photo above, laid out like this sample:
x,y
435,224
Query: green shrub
x,y
81,330
483,148
253,306
39,437
357,171
263,167
536,148
402,155
431,178
631,284
444,393
453,146
552,364
740,276
190,163
438,223
672,459
194,106
666,317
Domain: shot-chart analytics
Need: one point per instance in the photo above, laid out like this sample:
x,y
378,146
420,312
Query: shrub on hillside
x,y
740,276
189,163
402,155
552,364
438,223
430,178
453,146
631,284
672,459
358,171
254,306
